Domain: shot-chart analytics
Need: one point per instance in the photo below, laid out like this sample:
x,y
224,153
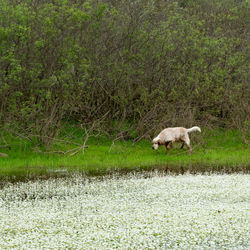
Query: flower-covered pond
x,y
133,211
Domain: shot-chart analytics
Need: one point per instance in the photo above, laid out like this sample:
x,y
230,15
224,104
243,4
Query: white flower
x,y
128,212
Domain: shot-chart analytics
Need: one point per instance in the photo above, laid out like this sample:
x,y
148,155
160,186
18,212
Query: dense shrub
x,y
134,65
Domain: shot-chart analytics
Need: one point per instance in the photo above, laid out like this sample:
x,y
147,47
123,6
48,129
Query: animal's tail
x,y
195,128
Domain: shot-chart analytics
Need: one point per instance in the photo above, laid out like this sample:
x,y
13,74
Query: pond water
x,y
127,212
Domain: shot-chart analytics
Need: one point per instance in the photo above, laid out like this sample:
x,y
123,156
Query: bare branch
x,y
3,155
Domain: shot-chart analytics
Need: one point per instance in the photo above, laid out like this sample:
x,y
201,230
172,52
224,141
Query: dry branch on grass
x,y
3,155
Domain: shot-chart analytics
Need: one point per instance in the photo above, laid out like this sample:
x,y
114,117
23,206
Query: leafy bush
x,y
147,63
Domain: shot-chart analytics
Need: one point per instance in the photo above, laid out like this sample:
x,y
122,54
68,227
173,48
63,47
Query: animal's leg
x,y
182,146
168,145
187,142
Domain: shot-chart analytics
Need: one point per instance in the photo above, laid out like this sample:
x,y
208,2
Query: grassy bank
x,y
215,150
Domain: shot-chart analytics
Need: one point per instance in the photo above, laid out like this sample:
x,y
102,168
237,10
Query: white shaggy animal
x,y
170,135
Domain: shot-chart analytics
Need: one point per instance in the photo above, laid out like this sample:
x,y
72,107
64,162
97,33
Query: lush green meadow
x,y
213,150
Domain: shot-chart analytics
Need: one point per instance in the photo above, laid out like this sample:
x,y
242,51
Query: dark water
x,y
44,174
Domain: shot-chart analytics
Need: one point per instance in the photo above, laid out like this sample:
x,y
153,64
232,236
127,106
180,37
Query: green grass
x,y
215,150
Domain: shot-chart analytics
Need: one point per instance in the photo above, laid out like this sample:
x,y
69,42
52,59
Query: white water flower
x,y
130,212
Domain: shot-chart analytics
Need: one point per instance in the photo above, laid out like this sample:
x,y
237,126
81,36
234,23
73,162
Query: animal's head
x,y
155,143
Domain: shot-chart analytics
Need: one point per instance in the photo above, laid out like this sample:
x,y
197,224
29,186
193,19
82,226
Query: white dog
x,y
170,135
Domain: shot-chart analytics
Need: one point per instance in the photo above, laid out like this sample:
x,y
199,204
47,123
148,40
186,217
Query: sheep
x,y
170,135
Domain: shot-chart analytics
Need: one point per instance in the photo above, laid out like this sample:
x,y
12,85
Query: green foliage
x,y
148,63
216,151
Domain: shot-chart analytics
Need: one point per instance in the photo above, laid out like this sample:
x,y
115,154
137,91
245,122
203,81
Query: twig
x,y
5,146
3,155
20,135
58,140
113,142
78,149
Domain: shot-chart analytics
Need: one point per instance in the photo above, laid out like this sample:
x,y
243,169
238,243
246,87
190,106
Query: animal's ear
x,y
155,140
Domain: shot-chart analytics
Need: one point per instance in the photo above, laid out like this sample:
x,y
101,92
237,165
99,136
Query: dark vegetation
x,y
125,69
